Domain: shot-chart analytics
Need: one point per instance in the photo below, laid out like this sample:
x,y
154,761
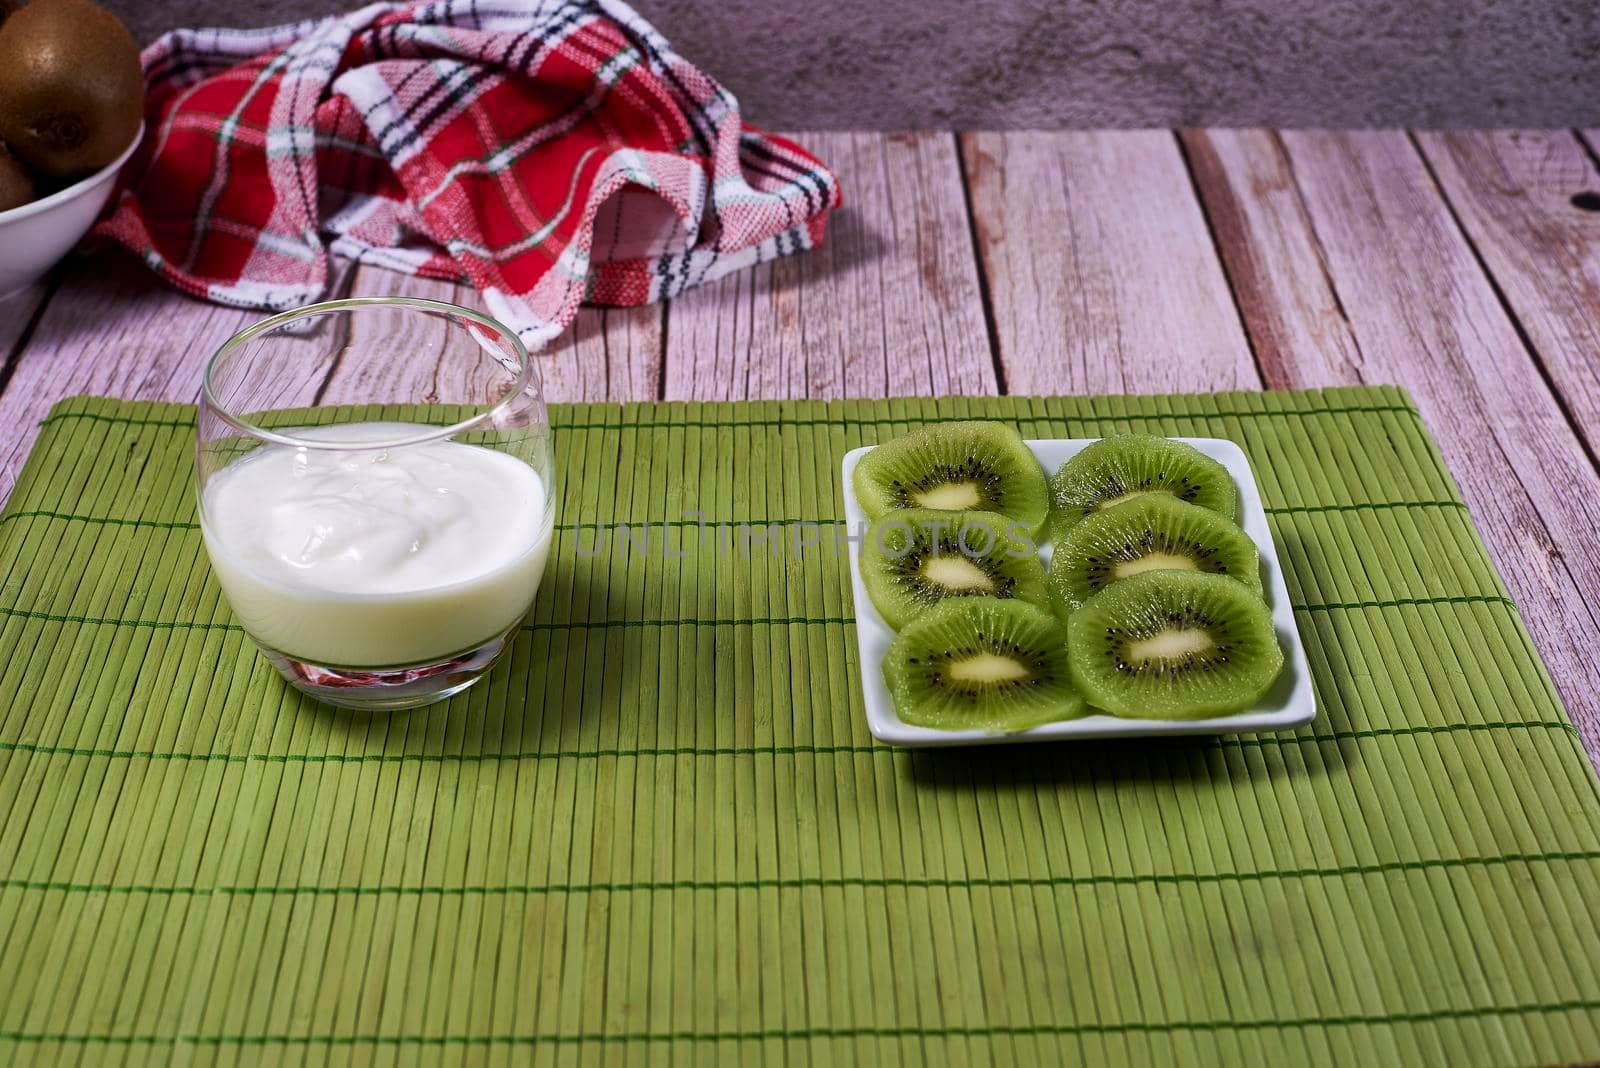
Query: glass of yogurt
x,y
376,494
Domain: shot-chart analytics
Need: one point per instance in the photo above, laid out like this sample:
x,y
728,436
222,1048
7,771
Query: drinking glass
x,y
334,459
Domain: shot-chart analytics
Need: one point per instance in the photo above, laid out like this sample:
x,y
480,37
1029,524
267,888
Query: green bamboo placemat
x,y
662,832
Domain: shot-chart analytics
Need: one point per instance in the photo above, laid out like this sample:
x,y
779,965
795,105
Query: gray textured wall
x,y
1035,63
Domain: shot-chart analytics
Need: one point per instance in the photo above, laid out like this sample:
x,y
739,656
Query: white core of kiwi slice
x,y
957,573
1112,502
1153,562
1171,646
985,667
949,497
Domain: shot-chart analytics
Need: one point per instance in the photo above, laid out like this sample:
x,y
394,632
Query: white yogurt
x,y
377,558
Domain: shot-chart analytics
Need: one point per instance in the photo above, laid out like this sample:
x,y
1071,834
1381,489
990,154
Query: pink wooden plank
x,y
1512,191
1101,272
888,306
110,328
608,354
1279,279
16,312
410,368
1422,314
1591,142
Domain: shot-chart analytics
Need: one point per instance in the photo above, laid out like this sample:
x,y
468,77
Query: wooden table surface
x,y
1463,265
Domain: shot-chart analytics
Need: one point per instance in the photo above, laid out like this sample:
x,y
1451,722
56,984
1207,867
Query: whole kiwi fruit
x,y
16,184
71,88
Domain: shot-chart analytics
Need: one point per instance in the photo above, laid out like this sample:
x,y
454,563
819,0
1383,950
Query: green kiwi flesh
x,y
960,466
913,558
1174,645
1150,533
71,87
981,663
1123,468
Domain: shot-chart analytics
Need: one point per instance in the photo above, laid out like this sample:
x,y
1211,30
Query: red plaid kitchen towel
x,y
547,152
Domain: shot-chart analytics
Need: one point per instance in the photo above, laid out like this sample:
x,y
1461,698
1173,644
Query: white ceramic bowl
x,y
36,235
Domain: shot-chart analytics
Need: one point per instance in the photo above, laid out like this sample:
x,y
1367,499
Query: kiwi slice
x,y
1156,532
1126,467
1174,645
965,466
913,558
981,663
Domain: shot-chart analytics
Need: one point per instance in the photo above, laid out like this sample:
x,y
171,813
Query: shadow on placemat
x,y
1179,760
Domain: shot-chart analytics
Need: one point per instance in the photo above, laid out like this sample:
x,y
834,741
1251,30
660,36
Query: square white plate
x,y
1290,703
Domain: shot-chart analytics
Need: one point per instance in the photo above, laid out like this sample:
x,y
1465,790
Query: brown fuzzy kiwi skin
x,y
17,186
71,87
